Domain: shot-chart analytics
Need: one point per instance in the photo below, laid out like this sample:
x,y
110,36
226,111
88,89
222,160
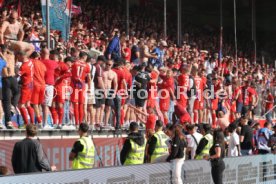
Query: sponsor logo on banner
x,y
58,150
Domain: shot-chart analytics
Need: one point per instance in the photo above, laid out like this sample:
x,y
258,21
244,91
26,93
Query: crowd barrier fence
x,y
241,170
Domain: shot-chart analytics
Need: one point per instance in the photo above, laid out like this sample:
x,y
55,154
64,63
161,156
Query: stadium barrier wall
x,y
242,170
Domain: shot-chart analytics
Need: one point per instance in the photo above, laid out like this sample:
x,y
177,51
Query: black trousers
x,y
10,96
217,171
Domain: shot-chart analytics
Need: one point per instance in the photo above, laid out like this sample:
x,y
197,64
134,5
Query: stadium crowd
x,y
108,79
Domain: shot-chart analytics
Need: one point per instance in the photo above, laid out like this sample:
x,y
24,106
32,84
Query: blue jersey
x,y
3,64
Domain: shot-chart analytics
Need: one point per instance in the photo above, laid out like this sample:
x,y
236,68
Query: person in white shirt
x,y
234,142
209,66
193,139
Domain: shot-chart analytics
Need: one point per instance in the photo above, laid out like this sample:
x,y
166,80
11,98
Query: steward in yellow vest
x,y
83,151
133,151
205,143
157,143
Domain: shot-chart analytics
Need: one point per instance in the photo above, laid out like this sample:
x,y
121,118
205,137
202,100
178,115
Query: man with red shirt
x,y
80,71
39,86
247,92
216,84
126,52
198,104
167,91
26,76
269,101
122,89
62,72
253,101
237,97
51,65
184,85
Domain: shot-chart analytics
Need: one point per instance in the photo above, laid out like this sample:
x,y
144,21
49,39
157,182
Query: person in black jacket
x,y
177,154
217,153
28,154
134,136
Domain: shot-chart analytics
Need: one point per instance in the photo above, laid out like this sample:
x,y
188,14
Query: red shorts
x,y
164,104
198,105
26,95
151,103
60,93
78,95
38,95
214,104
183,101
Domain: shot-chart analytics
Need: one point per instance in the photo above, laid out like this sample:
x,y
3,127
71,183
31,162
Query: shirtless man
x,y
111,86
10,84
12,34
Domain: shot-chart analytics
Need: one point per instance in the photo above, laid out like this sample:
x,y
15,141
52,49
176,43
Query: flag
x,y
59,15
19,8
1,3
76,10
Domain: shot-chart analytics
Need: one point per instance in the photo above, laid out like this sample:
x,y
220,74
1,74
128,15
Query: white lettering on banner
x,y
241,170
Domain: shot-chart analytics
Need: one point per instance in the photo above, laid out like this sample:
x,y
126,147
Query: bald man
x,y
12,34
51,65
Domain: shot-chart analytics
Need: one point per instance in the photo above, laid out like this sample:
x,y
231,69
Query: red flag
x,y
19,8
76,10
1,3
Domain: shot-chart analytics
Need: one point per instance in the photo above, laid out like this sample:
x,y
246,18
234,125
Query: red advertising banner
x,y
57,150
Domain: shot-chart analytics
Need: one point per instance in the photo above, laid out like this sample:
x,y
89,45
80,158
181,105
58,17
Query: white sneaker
x,y
48,127
2,127
71,127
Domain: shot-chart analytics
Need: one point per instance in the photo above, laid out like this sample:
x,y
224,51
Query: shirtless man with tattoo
x,y
111,86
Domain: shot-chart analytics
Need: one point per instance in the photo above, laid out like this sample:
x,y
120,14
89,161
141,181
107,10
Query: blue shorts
x,y
239,107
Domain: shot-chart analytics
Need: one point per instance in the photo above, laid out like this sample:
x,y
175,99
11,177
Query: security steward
x,y
133,151
205,143
157,144
83,151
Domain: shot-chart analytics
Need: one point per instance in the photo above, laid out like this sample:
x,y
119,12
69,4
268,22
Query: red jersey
x,y
80,71
254,93
51,65
39,73
26,72
121,77
62,72
199,86
183,81
236,91
128,77
167,84
152,86
246,93
269,105
128,54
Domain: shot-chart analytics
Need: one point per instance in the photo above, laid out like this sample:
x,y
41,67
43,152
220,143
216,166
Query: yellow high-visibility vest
x,y
136,155
85,159
161,147
206,149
